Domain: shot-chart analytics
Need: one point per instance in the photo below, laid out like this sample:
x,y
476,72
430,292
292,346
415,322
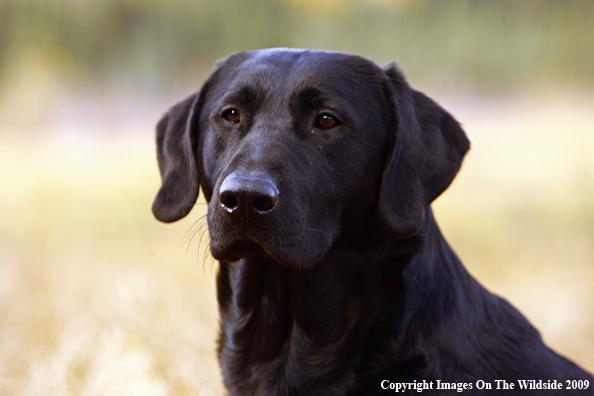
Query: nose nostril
x,y
247,199
264,204
229,201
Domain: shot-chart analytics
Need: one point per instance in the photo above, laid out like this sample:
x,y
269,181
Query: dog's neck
x,y
270,314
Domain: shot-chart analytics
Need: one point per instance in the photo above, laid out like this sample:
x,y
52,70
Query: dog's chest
x,y
262,348
296,370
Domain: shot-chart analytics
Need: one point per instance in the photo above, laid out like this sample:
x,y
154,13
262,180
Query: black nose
x,y
248,199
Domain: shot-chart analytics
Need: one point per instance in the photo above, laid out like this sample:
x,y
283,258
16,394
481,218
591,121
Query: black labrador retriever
x,y
334,278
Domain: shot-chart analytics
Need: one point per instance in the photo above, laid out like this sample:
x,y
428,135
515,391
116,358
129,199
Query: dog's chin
x,y
248,249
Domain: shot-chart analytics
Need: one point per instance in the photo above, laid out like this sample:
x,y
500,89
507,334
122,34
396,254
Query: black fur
x,y
333,273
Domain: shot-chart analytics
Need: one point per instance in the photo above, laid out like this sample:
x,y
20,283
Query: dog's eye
x,y
326,121
232,115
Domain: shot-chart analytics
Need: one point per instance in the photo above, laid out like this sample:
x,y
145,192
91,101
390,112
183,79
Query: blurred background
x,y
98,298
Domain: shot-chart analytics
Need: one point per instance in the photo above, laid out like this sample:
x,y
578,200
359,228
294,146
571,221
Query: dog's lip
x,y
237,249
296,248
248,248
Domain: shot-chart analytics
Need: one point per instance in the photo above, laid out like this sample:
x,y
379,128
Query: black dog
x,y
334,278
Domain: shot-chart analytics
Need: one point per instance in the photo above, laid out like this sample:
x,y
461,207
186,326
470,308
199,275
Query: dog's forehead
x,y
287,68
284,71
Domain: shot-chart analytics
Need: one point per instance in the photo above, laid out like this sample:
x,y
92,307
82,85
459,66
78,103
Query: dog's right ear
x,y
177,157
178,151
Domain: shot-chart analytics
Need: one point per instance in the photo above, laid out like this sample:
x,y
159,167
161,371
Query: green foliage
x,y
151,45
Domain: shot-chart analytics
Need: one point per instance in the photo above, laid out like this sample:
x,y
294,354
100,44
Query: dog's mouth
x,y
249,248
240,229
237,250
295,249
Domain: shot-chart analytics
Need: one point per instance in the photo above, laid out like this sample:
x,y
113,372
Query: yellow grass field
x,y
98,298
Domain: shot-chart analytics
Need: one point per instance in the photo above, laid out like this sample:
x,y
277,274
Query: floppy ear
x,y
177,156
178,138
427,147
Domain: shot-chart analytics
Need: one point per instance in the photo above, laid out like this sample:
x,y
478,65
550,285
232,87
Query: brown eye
x,y
232,115
326,121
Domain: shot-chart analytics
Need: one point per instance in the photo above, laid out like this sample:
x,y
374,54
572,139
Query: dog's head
x,y
295,149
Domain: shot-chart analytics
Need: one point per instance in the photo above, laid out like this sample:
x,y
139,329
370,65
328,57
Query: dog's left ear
x,y
427,148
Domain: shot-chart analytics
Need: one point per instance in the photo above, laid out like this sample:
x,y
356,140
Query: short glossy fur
x,y
333,273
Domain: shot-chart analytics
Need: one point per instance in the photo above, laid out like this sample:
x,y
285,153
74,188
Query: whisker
x,y
200,227
319,231
195,229
203,232
184,238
